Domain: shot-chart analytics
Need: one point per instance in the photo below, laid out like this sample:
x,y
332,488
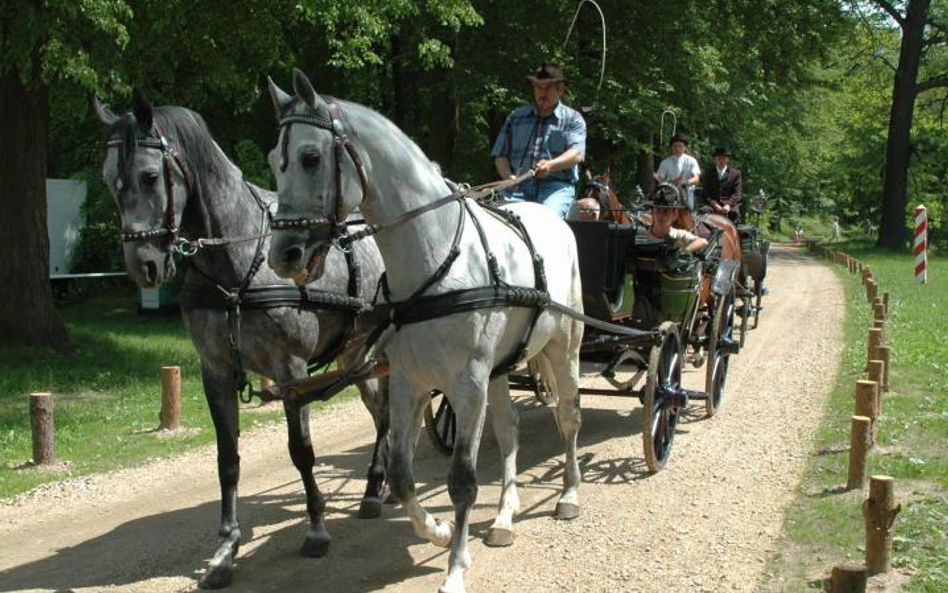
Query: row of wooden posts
x,y
879,509
43,426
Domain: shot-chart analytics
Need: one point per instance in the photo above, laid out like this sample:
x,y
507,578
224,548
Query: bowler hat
x,y
722,151
667,195
679,137
547,73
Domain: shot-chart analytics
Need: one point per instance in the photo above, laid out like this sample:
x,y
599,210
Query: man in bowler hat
x,y
723,187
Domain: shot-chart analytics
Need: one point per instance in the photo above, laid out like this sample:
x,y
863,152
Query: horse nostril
x,y
293,256
151,271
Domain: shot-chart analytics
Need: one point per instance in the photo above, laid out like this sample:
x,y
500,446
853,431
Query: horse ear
x,y
303,88
103,112
605,176
589,175
142,110
280,98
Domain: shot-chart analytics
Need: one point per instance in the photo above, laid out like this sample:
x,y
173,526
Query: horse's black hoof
x,y
315,546
566,511
216,577
370,508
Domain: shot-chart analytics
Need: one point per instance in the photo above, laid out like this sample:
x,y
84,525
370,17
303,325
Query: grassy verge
x,y
107,393
824,526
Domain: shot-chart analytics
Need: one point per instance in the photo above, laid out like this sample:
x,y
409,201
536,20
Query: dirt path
x,y
705,523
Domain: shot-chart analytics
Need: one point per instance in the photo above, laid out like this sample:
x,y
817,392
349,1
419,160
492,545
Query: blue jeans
x,y
556,195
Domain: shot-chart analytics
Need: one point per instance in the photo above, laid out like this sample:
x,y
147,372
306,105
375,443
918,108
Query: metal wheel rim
x,y
440,423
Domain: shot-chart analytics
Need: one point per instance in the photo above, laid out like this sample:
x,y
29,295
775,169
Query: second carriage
x,y
651,309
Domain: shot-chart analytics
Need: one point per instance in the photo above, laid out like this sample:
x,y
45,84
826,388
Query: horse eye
x,y
310,160
149,179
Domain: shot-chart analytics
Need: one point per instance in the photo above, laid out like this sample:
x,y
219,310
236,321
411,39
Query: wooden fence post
x,y
884,353
170,416
876,375
885,301
848,578
872,290
879,324
44,430
872,342
859,437
878,310
867,392
879,512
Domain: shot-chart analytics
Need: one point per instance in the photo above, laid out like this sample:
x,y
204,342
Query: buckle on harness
x,y
185,247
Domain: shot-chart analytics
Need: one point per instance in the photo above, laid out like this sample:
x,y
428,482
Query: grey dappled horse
x,y
319,183
169,150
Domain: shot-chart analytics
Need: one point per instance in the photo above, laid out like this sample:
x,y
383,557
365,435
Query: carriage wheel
x,y
661,408
541,390
758,297
722,326
746,299
440,423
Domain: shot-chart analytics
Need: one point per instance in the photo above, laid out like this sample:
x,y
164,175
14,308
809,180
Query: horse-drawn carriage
x,y
646,316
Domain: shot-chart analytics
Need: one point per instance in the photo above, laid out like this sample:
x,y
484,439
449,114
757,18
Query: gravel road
x,y
707,522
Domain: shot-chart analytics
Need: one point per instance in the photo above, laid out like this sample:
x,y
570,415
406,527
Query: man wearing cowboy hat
x,y
680,169
723,187
549,138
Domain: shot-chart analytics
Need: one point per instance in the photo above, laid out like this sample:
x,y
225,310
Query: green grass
x,y
823,526
107,392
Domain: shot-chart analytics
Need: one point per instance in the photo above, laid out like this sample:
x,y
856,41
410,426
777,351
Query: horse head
x,y
149,184
320,180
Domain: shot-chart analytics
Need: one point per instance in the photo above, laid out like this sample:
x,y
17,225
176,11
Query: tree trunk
x,y
399,96
645,164
27,315
445,116
892,232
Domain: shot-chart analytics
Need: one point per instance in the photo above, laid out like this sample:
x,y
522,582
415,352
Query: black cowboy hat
x,y
667,195
547,73
721,151
679,137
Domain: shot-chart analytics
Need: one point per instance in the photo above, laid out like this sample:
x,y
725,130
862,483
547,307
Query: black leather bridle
x,y
169,157
342,147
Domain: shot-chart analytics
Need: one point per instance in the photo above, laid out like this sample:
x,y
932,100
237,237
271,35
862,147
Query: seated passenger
x,y
667,201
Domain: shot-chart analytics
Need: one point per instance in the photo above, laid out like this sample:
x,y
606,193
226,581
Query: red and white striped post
x,y
921,244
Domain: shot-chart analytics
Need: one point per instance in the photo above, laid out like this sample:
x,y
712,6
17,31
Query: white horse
x,y
319,183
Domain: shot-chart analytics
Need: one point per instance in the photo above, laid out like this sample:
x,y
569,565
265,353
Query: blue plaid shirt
x,y
526,138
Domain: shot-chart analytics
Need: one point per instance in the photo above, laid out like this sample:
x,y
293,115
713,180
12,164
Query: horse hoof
x,y
498,537
216,577
566,511
315,546
370,508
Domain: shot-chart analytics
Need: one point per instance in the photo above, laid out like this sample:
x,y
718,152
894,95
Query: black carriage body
x,y
611,256
753,252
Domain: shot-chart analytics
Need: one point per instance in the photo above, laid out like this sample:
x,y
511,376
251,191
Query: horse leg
x,y
563,355
505,421
375,397
221,394
469,405
407,407
316,544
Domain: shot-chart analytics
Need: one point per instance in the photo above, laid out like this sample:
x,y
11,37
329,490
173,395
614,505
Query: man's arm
x,y
502,164
564,161
737,191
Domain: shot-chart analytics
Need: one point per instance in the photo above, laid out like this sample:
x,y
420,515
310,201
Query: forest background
x,y
800,91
